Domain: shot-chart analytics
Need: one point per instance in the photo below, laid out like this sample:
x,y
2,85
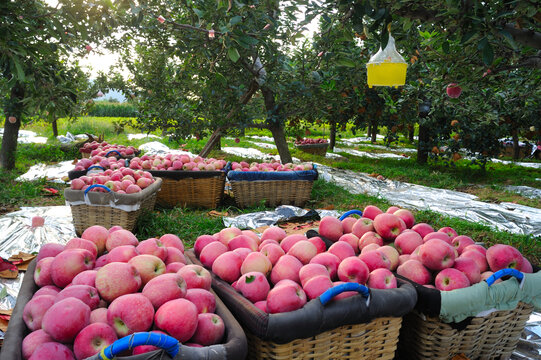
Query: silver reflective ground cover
x,y
27,137
55,173
529,344
526,191
267,218
17,233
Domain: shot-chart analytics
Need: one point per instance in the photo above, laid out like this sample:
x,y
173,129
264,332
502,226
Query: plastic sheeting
x,y
509,217
157,148
10,288
525,191
142,136
263,145
54,173
267,218
17,233
372,155
27,137
529,345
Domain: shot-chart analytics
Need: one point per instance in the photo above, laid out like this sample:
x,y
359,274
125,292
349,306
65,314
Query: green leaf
x,y
198,12
509,38
482,43
467,36
250,278
345,62
235,20
19,69
488,54
233,54
445,47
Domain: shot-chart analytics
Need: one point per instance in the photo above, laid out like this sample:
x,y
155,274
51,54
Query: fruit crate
x,y
428,332
274,188
203,189
109,209
351,328
233,346
315,149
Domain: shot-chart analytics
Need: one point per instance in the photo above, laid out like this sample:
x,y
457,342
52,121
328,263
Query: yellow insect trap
x,y
387,67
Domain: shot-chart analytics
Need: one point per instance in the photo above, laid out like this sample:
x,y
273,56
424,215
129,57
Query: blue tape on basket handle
x,y
113,151
351,212
338,289
96,186
166,342
504,272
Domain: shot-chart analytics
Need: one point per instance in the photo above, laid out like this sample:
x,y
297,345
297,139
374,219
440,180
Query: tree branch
x,y
526,37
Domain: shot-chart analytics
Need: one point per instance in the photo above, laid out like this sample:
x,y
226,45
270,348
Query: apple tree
x,y
37,40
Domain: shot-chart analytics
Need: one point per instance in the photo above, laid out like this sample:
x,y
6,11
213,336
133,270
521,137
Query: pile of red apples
x,y
107,285
172,162
280,273
110,162
95,148
440,259
121,181
309,141
274,165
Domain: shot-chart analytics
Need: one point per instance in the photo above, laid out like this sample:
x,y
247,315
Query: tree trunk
x,y
368,129
55,127
276,127
211,143
516,148
332,136
422,145
374,131
411,132
11,130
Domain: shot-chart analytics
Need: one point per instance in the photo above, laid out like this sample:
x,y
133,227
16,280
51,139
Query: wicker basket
x,y
190,189
272,192
493,337
348,329
315,149
85,215
375,340
273,188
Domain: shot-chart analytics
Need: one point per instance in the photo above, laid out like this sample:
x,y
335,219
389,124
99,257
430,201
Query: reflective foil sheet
x,y
17,233
9,288
372,155
526,191
529,345
510,217
27,137
142,136
55,173
157,148
267,218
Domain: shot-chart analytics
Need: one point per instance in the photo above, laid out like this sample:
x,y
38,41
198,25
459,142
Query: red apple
x,y
116,279
501,256
436,254
453,90
469,267
130,313
330,228
285,298
164,288
371,212
316,286
35,309
148,266
210,252
69,263
382,279
253,286
330,261
415,271
362,226
85,293
408,241
353,269
203,300
65,318
227,266
196,276
178,318
33,340
451,279
273,252
52,350
422,229
210,329
287,267
152,246
92,339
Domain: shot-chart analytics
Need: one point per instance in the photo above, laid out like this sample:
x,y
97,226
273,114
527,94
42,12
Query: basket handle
x,y
350,212
335,290
96,186
95,167
504,272
113,151
166,342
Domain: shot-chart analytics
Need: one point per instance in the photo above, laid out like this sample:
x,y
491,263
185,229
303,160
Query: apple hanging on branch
x,y
454,90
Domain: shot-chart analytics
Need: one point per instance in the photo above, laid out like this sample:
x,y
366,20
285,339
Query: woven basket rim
x,y
308,146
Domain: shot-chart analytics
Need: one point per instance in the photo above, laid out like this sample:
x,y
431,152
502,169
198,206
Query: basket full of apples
x,y
107,294
111,197
271,182
105,149
312,146
462,308
294,294
186,180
